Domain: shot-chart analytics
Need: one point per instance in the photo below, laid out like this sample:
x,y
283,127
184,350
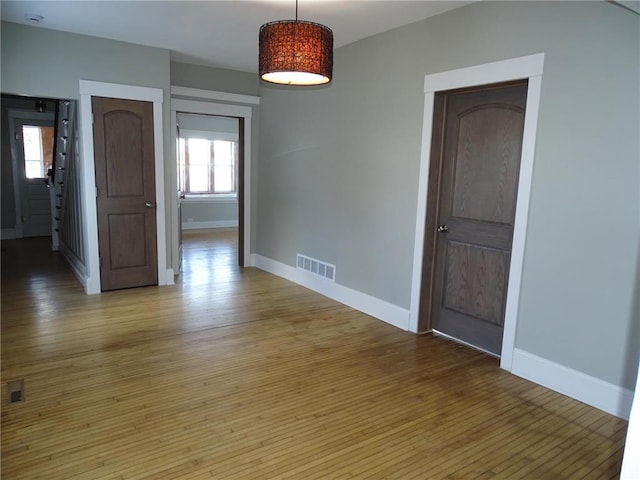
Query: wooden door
x,y
125,179
473,184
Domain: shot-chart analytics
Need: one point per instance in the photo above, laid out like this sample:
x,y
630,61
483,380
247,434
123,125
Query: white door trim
x,y
530,67
211,108
90,89
17,116
214,95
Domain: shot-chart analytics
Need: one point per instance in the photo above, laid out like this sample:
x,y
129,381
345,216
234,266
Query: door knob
x,y
149,205
443,228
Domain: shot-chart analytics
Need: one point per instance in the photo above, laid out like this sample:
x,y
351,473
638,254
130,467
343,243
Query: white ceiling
x,y
218,33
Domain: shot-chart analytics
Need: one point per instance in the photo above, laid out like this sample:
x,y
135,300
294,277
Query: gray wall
x,y
41,62
338,172
208,212
210,78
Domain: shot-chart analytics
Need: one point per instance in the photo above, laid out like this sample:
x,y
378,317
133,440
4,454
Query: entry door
x,y
35,155
480,144
125,179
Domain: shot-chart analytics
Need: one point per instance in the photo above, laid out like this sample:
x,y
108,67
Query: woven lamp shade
x,y
295,52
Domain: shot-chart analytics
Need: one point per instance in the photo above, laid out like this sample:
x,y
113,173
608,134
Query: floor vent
x,y
322,269
15,391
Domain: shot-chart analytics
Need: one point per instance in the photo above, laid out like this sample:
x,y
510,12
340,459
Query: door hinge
x,y
96,192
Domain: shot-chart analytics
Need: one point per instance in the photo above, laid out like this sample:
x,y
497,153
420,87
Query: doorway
x,y
195,105
31,137
529,67
475,159
209,164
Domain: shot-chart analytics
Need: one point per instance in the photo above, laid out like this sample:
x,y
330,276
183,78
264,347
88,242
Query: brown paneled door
x,y
476,149
125,179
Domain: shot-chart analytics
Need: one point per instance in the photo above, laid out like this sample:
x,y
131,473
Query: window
x,y
38,150
207,166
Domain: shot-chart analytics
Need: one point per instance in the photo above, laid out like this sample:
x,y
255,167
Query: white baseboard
x,y
387,312
75,264
171,277
8,234
572,383
212,224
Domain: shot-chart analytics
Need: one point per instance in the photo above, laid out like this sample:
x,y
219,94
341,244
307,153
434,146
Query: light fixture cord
x,y
296,10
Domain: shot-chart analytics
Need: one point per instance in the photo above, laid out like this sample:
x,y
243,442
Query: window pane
x,y
38,150
223,152
32,144
224,170
210,166
33,169
223,178
199,151
181,164
198,178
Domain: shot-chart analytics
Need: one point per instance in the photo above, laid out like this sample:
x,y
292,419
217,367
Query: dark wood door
x,y
125,178
479,143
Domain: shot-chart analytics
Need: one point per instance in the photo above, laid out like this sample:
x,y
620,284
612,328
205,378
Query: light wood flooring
x,y
237,374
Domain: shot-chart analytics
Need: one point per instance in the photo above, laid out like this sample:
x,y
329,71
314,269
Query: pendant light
x,y
295,52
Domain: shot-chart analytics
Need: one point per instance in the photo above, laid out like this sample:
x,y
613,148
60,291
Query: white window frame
x,y
212,195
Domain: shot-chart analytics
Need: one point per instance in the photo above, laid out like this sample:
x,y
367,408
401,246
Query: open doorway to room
x,y
28,126
209,162
40,187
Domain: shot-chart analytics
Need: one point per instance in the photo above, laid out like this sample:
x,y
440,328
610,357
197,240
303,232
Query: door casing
x,y
496,237
90,89
529,67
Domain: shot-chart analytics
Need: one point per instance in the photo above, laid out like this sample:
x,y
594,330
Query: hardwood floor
x,y
237,374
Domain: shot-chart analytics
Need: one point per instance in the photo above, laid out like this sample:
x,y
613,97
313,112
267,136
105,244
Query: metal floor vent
x,y
15,391
322,269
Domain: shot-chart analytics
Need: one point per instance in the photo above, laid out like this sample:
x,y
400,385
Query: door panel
x,y
485,164
125,178
124,154
36,208
477,295
124,232
481,141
